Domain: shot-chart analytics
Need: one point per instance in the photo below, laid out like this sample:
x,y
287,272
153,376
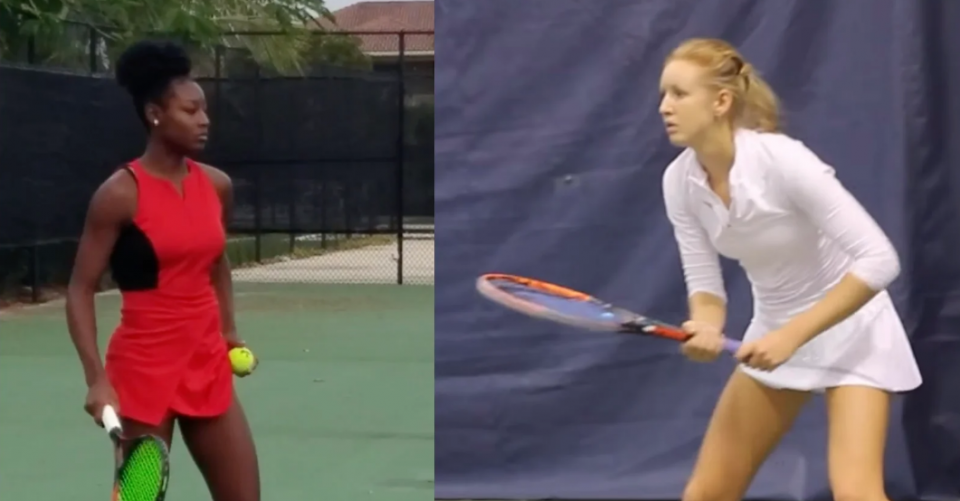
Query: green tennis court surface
x,y
341,406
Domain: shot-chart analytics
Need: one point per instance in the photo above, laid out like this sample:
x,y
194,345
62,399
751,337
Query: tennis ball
x,y
242,361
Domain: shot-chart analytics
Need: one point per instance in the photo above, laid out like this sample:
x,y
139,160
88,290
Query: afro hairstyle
x,y
147,68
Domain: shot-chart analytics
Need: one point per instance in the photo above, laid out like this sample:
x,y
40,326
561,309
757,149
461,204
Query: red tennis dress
x,y
168,354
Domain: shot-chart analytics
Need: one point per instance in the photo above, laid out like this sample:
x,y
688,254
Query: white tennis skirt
x,y
870,348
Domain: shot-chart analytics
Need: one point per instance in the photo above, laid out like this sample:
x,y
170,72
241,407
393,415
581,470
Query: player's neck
x,y
716,153
163,161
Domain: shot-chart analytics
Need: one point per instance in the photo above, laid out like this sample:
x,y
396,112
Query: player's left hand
x,y
768,352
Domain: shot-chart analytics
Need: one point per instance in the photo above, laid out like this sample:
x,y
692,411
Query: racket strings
x,y
141,477
561,303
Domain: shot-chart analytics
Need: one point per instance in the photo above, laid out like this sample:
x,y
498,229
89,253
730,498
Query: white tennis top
x,y
796,231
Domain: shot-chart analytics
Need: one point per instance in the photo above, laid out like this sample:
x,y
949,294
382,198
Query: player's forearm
x,y
223,284
843,300
708,308
82,325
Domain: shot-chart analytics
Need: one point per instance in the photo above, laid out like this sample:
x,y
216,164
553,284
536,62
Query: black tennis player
x,y
159,223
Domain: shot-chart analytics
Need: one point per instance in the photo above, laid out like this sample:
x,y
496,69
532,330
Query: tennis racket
x,y
563,305
142,466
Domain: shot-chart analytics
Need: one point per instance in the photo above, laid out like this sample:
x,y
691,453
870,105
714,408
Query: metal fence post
x,y
401,151
94,60
259,177
31,50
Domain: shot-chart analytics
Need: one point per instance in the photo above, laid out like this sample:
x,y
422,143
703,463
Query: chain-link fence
x,y
331,156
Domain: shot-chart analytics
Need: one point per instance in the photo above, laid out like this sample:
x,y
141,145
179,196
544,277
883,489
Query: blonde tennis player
x,y
818,266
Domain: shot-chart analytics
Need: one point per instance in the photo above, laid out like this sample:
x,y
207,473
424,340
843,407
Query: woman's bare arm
x,y
221,276
112,206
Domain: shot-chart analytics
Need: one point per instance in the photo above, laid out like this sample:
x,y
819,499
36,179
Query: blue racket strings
x,y
587,310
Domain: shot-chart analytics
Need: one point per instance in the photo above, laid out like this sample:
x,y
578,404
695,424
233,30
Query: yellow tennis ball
x,y
242,361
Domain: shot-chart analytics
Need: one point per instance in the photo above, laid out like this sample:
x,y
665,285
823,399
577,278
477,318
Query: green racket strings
x,y
142,474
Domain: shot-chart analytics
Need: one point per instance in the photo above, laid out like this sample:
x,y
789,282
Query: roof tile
x,y
390,17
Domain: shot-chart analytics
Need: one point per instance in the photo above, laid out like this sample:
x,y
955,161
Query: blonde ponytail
x,y
761,108
755,105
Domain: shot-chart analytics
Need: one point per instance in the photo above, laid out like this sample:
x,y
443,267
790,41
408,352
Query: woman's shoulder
x,y
220,179
679,169
115,199
779,152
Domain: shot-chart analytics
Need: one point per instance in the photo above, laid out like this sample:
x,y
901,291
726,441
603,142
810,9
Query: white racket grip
x,y
111,422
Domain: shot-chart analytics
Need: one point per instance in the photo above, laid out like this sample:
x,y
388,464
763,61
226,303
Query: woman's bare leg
x,y
747,423
858,417
224,451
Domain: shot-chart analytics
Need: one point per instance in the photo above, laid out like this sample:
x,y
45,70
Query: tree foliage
x,y
59,31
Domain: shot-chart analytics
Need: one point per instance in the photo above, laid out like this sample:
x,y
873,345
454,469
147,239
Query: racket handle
x,y
111,422
731,345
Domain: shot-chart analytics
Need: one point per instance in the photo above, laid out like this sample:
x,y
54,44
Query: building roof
x,y
389,17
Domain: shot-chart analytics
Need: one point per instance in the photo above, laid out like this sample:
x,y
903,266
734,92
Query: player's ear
x,y
723,103
153,113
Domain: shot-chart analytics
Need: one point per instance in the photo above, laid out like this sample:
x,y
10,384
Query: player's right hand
x,y
706,343
99,394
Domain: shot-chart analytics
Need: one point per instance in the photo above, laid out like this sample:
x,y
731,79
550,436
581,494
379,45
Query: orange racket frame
x,y
622,320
